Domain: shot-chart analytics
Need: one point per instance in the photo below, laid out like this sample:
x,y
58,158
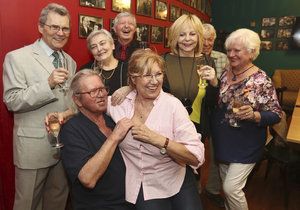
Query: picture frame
x,y
93,3
267,33
87,24
142,32
111,29
286,21
121,5
161,10
175,12
266,45
144,7
157,34
268,21
166,40
284,32
282,45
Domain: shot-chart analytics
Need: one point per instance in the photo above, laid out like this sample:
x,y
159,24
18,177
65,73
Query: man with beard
x,y
34,80
126,43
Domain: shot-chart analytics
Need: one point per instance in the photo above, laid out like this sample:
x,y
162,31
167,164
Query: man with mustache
x,y
34,84
125,28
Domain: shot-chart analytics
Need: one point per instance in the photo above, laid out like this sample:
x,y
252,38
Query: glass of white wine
x,y
237,103
54,127
202,82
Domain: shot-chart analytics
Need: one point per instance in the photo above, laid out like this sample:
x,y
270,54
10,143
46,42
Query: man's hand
x,y
121,129
58,76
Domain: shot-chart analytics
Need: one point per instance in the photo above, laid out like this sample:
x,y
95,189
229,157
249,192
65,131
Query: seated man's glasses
x,y
56,28
95,92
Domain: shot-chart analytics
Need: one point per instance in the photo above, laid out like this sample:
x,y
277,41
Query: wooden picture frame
x,y
87,24
121,5
266,45
267,33
175,12
161,10
144,7
157,34
267,22
286,21
93,3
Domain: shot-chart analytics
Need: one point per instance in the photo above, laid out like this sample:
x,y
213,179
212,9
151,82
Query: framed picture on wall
x,y
111,29
266,45
267,33
284,33
93,3
282,45
166,44
144,7
157,34
161,10
270,21
121,5
87,24
287,21
175,12
142,32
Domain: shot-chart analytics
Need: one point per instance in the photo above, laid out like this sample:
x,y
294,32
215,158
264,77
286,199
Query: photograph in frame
x,y
111,29
142,32
166,41
267,33
161,10
121,5
284,32
93,3
144,7
286,21
270,21
87,24
157,34
266,45
175,12
282,45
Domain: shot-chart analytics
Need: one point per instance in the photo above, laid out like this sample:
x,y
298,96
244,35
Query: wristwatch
x,y
163,150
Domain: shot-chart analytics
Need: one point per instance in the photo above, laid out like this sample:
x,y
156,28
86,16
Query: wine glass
x,y
64,87
202,82
237,103
54,127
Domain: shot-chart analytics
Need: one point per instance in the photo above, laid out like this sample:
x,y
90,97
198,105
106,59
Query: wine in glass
x,y
202,82
237,103
54,127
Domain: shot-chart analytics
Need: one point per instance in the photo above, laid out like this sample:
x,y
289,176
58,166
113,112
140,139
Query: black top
x,y
113,79
82,139
134,45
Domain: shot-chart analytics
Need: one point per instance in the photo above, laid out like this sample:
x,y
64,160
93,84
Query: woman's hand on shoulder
x,y
119,95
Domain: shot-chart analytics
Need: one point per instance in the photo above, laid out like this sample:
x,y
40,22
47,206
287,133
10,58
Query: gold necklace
x,y
107,78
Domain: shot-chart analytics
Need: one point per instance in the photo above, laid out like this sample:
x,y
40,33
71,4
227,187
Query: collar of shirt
x,y
48,50
132,96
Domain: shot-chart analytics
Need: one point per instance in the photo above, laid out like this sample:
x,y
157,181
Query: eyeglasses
x,y
56,28
94,93
148,77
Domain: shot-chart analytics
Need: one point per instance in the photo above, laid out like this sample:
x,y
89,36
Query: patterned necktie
x,y
56,62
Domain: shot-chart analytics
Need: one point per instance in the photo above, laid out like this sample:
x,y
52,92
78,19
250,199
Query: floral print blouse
x,y
256,90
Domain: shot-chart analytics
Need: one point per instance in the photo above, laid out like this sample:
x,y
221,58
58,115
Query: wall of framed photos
x,y
273,20
19,27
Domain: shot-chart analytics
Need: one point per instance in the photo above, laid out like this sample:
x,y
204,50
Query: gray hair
x,y
123,14
52,7
208,28
96,33
247,38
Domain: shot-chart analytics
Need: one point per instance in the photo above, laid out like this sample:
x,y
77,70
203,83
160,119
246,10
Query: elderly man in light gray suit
x,y
33,87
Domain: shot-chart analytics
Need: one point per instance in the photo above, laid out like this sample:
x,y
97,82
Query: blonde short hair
x,y
247,38
142,61
178,26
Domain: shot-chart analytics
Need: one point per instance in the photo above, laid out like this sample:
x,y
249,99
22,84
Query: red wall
x,y
18,27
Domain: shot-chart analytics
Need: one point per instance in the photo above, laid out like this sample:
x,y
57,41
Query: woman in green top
x,y
186,66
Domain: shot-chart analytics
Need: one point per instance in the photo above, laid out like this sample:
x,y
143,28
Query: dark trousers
x,y
186,199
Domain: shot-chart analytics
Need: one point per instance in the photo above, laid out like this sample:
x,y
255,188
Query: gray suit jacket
x,y
28,95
